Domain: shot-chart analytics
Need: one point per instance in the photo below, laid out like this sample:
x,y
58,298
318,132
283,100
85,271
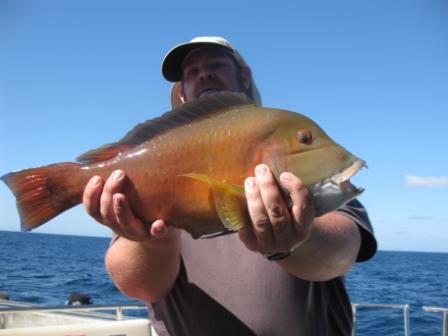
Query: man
x,y
281,276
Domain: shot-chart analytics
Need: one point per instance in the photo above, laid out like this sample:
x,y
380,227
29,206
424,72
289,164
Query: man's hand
x,y
142,268
274,227
105,203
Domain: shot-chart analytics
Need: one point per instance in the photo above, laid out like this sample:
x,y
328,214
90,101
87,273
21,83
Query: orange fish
x,y
188,166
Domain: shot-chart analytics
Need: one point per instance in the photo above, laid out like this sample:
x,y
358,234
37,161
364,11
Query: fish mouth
x,y
341,180
335,191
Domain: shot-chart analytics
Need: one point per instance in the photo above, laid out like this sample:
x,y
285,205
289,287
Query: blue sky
x,y
374,74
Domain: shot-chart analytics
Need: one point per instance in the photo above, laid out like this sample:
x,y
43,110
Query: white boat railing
x,y
444,312
403,307
119,309
60,309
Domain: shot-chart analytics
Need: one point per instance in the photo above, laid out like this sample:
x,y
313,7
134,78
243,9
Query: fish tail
x,y
43,193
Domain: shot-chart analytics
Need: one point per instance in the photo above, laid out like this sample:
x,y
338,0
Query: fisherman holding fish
x,y
220,286
273,247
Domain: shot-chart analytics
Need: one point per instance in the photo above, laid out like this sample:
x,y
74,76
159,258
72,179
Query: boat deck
x,y
20,319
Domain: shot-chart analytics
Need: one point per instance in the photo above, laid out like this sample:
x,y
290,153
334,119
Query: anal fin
x,y
229,200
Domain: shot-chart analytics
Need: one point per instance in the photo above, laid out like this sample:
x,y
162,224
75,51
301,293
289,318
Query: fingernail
x,y
95,180
261,169
160,231
250,182
287,177
118,204
117,175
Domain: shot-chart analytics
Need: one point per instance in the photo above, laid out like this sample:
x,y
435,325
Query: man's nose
x,y
205,74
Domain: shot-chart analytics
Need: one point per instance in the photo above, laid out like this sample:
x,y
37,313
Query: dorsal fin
x,y
194,110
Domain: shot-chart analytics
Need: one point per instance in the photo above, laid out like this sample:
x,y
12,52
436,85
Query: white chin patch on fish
x,y
336,190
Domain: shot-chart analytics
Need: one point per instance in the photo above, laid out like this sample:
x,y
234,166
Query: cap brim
x,y
172,63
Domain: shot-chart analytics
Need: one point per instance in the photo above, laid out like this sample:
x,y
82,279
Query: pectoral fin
x,y
229,201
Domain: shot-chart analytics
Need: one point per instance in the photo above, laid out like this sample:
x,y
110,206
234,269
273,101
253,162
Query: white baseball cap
x,y
172,62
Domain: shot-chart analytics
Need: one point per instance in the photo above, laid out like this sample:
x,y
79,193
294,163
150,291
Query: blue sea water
x,y
414,278
46,269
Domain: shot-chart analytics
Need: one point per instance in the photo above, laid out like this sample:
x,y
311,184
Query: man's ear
x,y
246,77
177,95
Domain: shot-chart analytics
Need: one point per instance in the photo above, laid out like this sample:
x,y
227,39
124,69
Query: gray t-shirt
x,y
225,289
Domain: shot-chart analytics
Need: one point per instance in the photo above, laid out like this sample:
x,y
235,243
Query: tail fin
x,y
43,193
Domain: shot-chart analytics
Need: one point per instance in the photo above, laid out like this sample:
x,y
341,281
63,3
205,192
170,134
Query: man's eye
x,y
191,72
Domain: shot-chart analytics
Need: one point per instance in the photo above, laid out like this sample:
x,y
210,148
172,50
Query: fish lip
x,y
340,180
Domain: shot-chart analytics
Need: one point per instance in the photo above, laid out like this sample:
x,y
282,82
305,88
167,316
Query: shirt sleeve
x,y
356,212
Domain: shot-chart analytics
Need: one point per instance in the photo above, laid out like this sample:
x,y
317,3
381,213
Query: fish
x,y
188,166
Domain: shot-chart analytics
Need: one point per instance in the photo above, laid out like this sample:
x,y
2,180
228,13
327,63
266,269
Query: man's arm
x,y
326,247
330,250
143,262
145,270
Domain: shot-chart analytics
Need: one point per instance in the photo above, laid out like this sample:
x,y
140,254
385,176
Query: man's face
x,y
207,71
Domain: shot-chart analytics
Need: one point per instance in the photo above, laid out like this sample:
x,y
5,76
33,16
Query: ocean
x,y
414,278
45,269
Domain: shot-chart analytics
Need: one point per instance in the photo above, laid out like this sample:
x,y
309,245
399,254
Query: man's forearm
x,y
330,251
145,270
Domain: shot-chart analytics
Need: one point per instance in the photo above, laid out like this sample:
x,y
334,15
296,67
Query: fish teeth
x,y
348,172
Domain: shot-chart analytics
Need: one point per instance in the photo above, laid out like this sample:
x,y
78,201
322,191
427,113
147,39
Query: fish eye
x,y
304,136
